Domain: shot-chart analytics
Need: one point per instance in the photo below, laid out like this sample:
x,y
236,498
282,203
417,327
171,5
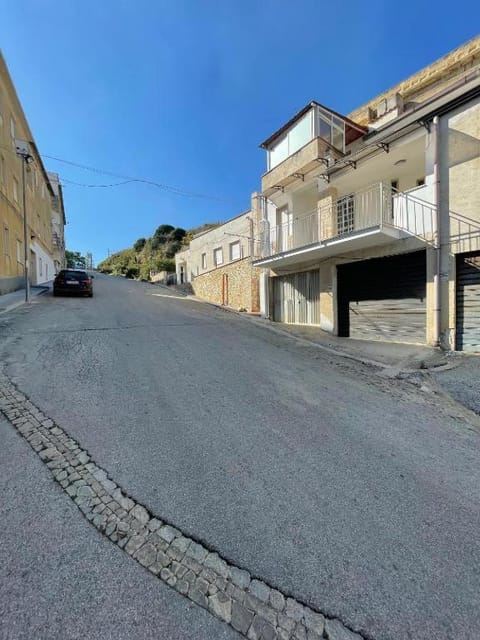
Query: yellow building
x,y
38,195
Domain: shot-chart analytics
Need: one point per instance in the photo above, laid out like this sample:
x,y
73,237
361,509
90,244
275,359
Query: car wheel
x,y
90,295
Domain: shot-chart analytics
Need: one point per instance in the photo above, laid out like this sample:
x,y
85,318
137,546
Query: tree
x,y
139,244
74,259
178,234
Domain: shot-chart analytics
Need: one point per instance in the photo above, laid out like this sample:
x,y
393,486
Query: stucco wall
x,y
234,285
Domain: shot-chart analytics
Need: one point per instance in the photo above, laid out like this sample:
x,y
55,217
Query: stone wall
x,y
234,285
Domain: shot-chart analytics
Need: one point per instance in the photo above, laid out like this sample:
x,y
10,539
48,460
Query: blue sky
x,y
182,92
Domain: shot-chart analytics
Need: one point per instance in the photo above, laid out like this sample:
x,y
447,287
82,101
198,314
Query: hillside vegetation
x,y
151,254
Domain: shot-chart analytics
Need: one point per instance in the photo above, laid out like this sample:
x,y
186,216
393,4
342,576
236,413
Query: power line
x,y
165,187
126,179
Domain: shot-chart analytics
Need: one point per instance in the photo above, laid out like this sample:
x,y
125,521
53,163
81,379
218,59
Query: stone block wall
x,y
234,285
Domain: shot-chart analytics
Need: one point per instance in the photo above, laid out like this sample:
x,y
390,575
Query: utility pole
x,y
23,152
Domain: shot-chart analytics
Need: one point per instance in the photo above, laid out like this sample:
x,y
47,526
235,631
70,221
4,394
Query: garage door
x,y
296,298
468,302
384,298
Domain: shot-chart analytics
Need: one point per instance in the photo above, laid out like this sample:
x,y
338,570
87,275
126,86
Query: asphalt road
x,y
354,493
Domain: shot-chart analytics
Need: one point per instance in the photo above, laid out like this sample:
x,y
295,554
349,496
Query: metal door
x,y
468,302
384,298
296,298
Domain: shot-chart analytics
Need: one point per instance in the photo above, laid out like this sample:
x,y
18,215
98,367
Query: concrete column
x,y
326,213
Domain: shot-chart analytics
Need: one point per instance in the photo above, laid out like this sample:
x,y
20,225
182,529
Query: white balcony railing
x,y
378,207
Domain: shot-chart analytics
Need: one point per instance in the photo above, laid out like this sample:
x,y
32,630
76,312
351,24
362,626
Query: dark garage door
x,y
384,298
468,302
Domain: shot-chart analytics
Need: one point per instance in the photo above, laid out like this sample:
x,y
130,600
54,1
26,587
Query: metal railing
x,y
464,233
378,206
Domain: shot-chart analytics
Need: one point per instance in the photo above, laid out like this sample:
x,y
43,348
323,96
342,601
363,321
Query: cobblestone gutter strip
x,y
250,606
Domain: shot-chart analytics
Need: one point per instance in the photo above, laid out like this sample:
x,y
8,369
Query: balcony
x,y
373,217
298,164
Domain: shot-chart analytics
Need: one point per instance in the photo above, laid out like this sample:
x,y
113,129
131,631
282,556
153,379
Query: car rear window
x,y
74,275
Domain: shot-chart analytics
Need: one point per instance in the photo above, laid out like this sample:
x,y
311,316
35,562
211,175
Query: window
x,y
235,250
6,241
345,215
19,251
218,256
331,129
292,141
15,189
204,260
40,265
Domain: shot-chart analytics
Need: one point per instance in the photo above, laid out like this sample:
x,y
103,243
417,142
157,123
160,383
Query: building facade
x,y
370,223
38,198
218,264
58,223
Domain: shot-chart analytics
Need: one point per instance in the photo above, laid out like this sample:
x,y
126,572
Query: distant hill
x,y
151,254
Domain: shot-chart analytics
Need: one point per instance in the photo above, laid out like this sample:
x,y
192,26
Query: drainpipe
x,y
436,231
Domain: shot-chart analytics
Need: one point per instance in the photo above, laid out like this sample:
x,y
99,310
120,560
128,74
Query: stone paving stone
x,y
154,524
277,600
198,597
235,592
241,618
192,564
168,533
134,544
221,606
213,561
260,590
147,555
180,544
85,491
294,609
300,632
201,585
182,586
197,552
140,513
285,622
314,621
256,630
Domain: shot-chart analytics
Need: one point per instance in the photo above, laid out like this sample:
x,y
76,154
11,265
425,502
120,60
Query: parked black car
x,y
73,281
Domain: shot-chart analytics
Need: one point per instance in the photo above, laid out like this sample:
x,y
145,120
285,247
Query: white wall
x,y
45,267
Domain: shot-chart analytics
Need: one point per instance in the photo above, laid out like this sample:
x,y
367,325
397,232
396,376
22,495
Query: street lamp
x,y
23,151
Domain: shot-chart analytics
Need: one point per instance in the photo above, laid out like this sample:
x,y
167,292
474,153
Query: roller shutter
x,y
296,298
384,298
468,302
